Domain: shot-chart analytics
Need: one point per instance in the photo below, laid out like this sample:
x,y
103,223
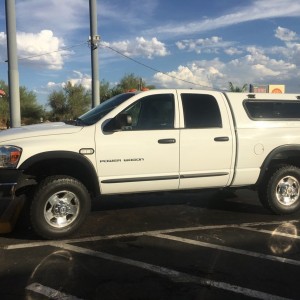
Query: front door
x,y
145,155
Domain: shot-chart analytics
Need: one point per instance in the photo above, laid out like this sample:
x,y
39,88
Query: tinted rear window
x,y
270,110
201,111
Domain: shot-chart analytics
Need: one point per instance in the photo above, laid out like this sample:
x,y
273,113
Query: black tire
x,y
60,205
280,192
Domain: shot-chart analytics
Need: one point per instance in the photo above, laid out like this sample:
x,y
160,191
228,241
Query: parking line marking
x,y
228,249
268,223
136,234
49,292
293,236
175,276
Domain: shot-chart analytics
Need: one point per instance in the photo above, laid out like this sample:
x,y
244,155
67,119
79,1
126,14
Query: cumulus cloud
x,y
140,47
285,34
53,85
255,71
254,67
198,74
251,64
183,77
264,71
76,79
207,45
232,51
83,79
43,49
291,49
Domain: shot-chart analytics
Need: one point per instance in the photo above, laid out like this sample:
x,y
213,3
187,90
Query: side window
x,y
201,111
272,109
152,112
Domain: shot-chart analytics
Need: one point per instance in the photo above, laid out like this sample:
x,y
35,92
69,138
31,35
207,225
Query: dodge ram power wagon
x,y
158,140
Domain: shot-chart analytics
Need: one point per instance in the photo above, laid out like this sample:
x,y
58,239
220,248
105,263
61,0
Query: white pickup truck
x,y
156,140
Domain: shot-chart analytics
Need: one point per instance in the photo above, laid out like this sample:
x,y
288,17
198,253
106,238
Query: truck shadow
x,y
226,200
154,211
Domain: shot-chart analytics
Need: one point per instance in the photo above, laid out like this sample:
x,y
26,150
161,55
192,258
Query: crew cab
x,y
158,140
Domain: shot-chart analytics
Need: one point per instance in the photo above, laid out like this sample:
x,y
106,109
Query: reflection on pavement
x,y
57,267
283,238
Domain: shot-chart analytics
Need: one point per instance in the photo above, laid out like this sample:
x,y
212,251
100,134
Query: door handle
x,y
166,141
221,139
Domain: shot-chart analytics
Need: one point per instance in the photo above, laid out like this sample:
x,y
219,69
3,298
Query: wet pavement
x,y
187,245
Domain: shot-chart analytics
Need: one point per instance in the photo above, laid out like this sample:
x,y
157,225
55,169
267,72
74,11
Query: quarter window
x,y
201,111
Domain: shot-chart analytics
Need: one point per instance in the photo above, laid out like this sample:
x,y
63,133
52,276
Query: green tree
x,y
69,103
31,111
131,81
105,91
128,82
58,105
78,100
116,90
237,89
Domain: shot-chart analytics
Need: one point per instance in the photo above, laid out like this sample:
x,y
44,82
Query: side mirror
x,y
118,123
123,120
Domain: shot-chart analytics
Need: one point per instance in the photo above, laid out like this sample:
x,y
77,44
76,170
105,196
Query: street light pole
x,y
12,58
94,43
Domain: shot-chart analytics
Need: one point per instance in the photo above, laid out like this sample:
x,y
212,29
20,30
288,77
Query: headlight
x,y
9,156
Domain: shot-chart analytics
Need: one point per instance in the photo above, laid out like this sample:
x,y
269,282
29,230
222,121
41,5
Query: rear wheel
x,y
281,191
59,206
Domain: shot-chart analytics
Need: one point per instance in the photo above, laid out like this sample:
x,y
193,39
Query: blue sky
x,y
191,44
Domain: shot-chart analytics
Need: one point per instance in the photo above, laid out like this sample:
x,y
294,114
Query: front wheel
x,y
59,206
281,192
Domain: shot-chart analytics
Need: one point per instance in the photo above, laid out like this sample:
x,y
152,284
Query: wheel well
x,y
81,169
285,155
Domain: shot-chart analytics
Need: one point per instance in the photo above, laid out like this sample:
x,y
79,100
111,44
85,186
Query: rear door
x,y
206,140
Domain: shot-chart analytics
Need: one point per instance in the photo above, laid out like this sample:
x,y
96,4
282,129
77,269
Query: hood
x,y
43,129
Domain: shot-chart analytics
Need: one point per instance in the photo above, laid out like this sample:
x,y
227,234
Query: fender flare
x,y
69,155
280,153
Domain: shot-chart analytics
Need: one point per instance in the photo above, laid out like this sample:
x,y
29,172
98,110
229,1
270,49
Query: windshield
x,y
98,112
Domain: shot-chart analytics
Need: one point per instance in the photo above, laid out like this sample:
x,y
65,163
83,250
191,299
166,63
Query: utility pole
x,y
94,44
12,58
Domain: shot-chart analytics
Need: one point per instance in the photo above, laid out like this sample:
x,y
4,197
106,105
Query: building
x,y
264,88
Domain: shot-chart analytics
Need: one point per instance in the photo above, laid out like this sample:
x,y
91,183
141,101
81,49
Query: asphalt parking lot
x,y
192,245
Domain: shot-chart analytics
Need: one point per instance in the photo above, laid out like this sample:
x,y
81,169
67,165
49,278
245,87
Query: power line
x,y
47,53
151,68
120,53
